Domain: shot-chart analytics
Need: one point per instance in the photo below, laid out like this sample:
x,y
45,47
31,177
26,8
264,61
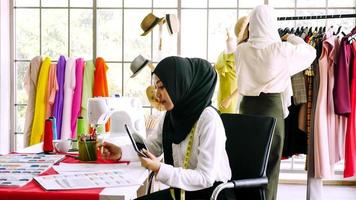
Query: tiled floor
x,y
298,192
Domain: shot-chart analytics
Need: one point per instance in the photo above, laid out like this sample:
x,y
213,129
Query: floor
x,y
298,192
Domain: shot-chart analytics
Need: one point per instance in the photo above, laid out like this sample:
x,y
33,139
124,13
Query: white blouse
x,y
208,162
269,69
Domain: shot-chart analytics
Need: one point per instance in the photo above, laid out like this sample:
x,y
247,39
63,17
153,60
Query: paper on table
x,y
90,180
30,158
75,167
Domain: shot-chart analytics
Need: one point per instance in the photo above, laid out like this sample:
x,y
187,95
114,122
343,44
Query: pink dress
x,y
329,128
77,95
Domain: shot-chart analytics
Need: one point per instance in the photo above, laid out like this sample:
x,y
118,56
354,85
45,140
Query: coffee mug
x,y
62,146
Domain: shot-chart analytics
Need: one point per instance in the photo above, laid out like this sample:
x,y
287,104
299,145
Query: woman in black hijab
x,y
191,135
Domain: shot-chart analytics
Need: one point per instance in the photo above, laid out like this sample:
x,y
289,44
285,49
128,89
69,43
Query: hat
x,y
137,65
149,22
151,96
241,30
172,23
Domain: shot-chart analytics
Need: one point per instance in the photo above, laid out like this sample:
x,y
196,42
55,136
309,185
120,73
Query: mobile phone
x,y
137,143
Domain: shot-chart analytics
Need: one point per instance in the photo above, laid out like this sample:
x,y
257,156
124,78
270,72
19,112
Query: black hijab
x,y
190,83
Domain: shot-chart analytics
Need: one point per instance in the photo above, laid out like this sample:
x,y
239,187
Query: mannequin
x,y
241,32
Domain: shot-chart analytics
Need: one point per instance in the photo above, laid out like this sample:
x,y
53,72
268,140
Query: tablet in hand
x,y
137,142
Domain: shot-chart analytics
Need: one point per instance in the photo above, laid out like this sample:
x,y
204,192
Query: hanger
x,y
338,31
297,32
280,32
310,32
292,31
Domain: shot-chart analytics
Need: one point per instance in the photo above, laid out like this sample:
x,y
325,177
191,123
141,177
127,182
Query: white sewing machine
x,y
121,110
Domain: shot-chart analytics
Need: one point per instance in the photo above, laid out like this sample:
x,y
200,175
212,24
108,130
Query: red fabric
x,y
350,140
34,191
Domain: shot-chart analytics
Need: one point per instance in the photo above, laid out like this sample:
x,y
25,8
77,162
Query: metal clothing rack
x,y
317,17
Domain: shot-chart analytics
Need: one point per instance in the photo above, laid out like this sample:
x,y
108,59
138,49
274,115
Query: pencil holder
x,y
87,150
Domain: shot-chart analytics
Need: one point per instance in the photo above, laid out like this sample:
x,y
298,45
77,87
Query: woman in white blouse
x,y
264,66
191,136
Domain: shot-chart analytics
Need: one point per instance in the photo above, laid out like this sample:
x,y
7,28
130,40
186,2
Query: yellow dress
x,y
225,67
40,103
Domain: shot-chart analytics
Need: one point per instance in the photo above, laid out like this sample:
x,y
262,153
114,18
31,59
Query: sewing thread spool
x,y
54,127
48,137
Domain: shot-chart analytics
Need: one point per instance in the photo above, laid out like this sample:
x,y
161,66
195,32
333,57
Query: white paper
x,y
76,167
122,177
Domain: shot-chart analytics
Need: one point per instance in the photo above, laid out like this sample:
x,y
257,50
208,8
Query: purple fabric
x,y
58,102
341,92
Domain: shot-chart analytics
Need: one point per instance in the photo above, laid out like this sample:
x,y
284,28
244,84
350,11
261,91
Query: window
x,y
111,29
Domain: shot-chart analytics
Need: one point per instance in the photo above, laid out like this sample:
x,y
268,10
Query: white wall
x,y
5,75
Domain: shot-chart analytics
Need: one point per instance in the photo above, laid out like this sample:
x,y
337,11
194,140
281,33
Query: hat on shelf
x,y
137,65
172,23
241,29
149,22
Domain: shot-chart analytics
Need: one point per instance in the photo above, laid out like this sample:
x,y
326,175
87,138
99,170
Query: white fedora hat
x,y
137,65
172,23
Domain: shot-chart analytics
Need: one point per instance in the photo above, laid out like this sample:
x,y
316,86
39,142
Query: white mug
x,y
62,146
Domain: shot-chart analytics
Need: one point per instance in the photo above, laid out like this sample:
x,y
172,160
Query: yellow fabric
x,y
225,67
40,103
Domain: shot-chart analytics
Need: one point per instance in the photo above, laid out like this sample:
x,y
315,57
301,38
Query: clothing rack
x,y
317,17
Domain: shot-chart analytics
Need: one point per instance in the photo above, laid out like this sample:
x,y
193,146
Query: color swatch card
x,y
30,158
24,168
14,180
18,169
87,180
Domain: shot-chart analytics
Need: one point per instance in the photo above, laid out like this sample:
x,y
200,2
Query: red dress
x,y
350,140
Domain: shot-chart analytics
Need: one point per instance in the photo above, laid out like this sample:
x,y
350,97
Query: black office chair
x,y
248,144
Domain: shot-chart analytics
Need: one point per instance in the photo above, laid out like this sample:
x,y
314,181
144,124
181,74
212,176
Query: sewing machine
x,y
121,111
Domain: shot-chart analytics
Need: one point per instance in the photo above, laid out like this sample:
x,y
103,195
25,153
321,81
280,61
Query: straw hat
x,y
241,29
150,93
149,22
137,65
172,23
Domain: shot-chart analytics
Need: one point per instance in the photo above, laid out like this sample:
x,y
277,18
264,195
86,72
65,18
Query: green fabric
x,y
269,105
88,81
225,67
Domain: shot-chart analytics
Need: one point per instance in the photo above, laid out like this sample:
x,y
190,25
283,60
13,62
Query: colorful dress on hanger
x,y
52,88
225,67
326,138
69,85
350,143
88,81
58,102
77,95
100,83
40,104
30,84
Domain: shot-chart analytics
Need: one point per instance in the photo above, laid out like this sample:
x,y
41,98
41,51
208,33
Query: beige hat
x,y
137,65
172,23
241,29
149,22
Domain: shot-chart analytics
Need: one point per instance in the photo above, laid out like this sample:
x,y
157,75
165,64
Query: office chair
x,y
248,144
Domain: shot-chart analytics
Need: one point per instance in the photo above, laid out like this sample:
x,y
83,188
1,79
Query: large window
x,y
111,29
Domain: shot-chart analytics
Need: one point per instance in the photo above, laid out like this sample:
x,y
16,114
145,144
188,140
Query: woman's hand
x,y
111,151
152,163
